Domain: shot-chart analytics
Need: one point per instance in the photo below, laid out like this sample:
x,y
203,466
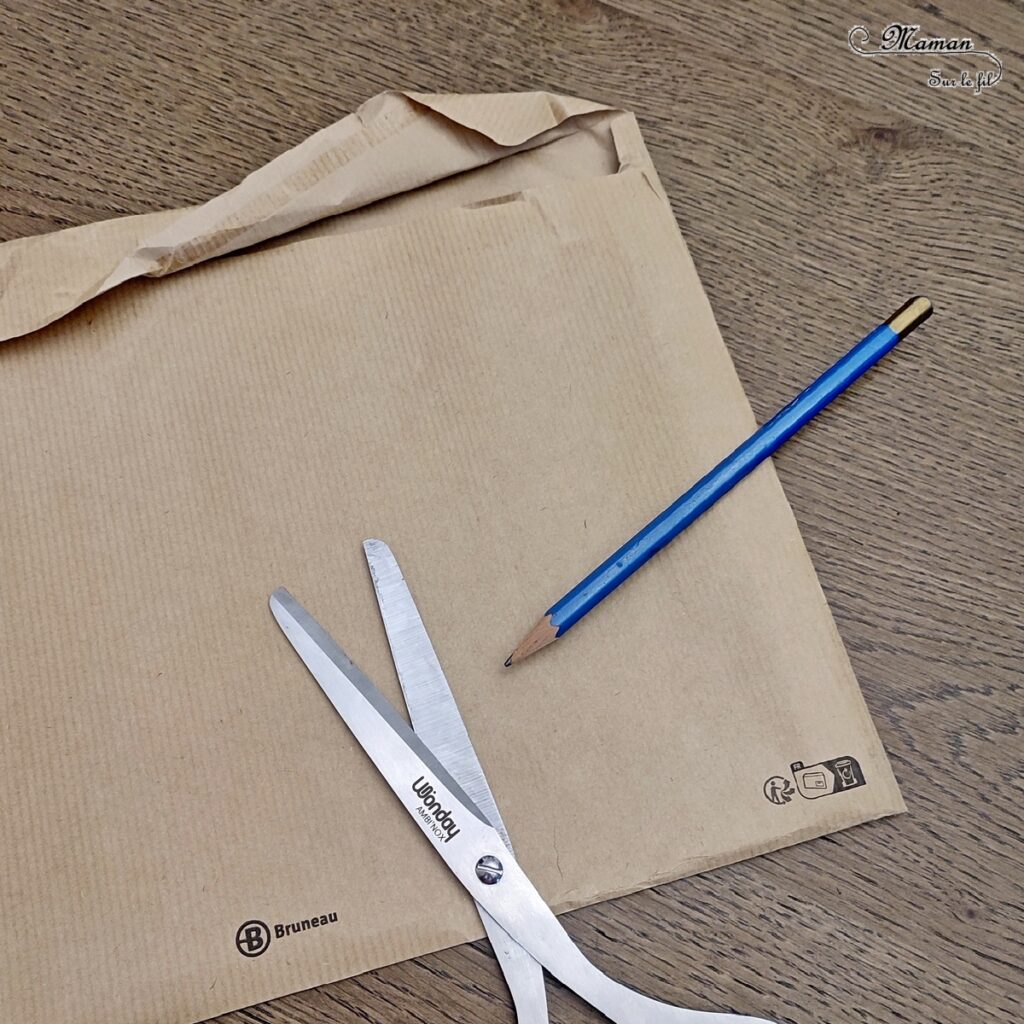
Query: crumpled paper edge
x,y
393,143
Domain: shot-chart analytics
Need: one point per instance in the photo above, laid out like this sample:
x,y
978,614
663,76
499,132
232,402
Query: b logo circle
x,y
253,938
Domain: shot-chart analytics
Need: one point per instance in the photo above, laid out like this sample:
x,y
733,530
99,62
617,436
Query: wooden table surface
x,y
813,186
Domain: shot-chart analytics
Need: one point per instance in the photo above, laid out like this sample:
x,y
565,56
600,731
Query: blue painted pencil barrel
x,y
733,468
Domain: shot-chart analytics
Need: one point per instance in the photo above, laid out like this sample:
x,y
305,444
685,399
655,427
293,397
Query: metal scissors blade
x,y
436,719
459,831
432,709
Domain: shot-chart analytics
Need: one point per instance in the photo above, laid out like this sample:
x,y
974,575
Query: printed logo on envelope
x,y
827,777
816,780
778,790
253,938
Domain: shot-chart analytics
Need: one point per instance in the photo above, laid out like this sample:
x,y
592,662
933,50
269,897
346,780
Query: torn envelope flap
x,y
395,143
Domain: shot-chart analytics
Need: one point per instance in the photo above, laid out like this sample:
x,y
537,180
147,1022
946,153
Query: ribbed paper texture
x,y
500,380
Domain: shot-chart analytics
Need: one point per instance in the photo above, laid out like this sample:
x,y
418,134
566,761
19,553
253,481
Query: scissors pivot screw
x,y
489,870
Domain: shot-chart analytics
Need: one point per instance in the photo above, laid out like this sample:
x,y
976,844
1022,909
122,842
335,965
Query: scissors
x,y
436,775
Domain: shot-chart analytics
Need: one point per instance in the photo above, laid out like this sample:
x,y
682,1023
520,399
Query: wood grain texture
x,y
817,190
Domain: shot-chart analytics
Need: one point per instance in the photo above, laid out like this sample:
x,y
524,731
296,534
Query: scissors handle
x,y
517,906
524,976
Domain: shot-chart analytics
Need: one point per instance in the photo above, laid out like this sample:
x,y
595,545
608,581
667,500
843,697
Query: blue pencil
x,y
568,610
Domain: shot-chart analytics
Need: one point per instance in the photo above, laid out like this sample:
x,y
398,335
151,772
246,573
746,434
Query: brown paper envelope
x,y
502,367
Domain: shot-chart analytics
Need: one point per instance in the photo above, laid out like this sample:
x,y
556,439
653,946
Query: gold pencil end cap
x,y
911,315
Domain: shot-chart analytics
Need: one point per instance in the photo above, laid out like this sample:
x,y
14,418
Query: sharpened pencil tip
x,y
508,661
541,635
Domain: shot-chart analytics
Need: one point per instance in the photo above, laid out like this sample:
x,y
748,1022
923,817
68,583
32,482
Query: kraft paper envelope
x,y
500,359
